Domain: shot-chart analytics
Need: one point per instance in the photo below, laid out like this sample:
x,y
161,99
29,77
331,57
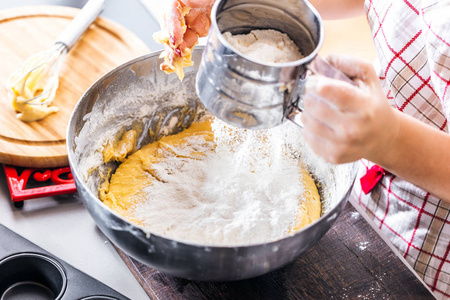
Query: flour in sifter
x,y
267,46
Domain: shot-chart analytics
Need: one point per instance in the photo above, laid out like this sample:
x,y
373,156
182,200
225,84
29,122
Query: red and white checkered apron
x,y
412,39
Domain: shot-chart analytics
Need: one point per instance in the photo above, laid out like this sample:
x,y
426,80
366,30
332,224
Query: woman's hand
x,y
344,123
184,22
197,22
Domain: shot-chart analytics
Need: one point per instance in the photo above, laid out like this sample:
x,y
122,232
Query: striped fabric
x,y
412,39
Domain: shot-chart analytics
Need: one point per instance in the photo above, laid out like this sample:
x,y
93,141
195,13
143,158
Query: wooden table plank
x,y
350,262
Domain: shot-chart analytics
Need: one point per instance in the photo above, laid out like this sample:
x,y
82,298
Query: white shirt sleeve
x,y
436,28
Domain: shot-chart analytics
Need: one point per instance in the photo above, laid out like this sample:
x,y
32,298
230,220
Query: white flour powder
x,y
269,46
245,192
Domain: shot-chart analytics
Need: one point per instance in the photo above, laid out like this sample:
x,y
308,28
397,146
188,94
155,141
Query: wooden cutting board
x,y
25,31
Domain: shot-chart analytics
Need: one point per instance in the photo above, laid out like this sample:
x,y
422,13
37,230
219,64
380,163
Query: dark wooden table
x,y
350,262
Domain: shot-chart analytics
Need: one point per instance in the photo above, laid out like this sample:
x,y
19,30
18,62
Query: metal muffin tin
x,y
29,272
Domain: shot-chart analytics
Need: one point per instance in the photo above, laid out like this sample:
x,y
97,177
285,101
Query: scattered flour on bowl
x,y
246,191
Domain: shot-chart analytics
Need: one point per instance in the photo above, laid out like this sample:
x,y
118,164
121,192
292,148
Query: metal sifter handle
x,y
81,22
322,67
317,66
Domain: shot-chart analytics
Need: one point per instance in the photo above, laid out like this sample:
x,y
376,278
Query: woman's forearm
x,y
420,155
339,9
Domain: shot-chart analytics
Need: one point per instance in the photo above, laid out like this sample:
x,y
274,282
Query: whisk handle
x,y
81,22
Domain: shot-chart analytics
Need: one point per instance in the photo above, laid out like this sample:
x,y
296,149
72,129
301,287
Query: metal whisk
x,y
36,81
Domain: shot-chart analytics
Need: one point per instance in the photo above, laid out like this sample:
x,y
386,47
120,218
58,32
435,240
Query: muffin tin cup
x,y
31,276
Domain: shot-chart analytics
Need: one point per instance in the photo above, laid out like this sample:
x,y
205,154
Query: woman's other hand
x,y
344,123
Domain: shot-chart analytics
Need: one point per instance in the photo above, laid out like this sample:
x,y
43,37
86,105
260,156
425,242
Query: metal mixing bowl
x,y
138,95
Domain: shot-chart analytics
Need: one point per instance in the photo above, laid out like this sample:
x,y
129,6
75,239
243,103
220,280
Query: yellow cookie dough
x,y
136,173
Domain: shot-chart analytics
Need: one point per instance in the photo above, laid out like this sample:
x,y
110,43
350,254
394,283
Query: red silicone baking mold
x,y
47,182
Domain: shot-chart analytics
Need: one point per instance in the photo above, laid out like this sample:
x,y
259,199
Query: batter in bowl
x,y
212,184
